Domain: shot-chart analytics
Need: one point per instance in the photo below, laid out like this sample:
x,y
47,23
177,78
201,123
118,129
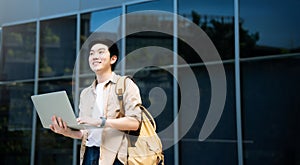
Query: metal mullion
x,y
175,86
123,40
77,72
36,78
237,84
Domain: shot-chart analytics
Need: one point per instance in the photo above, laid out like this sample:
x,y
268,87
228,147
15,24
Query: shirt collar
x,y
113,79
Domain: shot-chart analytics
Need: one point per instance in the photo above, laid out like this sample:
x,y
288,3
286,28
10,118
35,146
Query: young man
x,y
99,106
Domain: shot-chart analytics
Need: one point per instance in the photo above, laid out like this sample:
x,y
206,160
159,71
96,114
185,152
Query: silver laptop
x,y
58,104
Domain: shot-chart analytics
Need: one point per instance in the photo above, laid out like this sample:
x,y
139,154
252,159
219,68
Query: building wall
x,y
43,41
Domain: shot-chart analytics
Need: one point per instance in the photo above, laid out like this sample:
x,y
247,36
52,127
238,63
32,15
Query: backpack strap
x,y
149,116
120,89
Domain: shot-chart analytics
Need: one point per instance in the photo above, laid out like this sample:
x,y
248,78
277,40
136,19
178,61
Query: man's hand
x,y
89,121
59,126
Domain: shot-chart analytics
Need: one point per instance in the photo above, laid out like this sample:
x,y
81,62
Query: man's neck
x,y
103,76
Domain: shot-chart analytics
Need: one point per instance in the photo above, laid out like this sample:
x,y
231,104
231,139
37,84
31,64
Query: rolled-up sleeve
x,y
132,100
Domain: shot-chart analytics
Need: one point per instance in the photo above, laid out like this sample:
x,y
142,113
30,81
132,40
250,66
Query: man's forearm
x,y
124,123
74,134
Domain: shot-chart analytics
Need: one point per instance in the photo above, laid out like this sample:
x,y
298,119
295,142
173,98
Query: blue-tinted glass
x,y
52,148
269,28
18,52
216,19
153,81
16,123
92,21
271,111
91,25
138,38
57,47
223,136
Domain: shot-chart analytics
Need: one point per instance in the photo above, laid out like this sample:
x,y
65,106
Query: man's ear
x,y
113,59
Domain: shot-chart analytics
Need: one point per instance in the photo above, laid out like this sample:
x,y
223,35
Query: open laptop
x,y
58,104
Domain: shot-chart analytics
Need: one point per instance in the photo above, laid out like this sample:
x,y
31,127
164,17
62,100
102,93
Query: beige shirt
x,y
114,143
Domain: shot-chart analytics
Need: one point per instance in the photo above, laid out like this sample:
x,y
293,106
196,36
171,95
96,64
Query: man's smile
x,y
96,62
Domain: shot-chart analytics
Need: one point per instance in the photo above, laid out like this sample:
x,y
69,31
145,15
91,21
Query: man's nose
x,y
97,56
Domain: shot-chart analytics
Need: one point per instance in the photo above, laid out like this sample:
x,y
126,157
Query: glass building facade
x,y
259,47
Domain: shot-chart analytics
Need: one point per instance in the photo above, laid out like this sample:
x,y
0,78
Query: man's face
x,y
99,58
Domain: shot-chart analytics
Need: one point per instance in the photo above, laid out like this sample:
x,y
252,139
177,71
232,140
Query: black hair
x,y
112,48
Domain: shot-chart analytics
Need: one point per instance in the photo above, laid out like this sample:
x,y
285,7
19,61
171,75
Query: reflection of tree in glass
x,y
49,37
220,29
20,42
44,67
49,40
14,37
15,137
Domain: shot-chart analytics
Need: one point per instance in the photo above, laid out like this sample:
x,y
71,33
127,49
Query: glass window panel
x,y
156,89
18,52
52,148
149,80
144,38
216,19
15,122
57,47
271,104
148,19
223,136
90,24
156,81
269,28
269,83
207,152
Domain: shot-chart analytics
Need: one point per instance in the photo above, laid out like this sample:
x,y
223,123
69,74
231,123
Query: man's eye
x,y
91,54
101,52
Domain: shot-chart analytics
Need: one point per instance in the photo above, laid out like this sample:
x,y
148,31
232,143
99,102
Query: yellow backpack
x,y
144,145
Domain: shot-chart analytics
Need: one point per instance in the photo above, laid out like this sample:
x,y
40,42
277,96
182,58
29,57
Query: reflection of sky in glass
x,y
100,17
216,7
164,5
275,21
